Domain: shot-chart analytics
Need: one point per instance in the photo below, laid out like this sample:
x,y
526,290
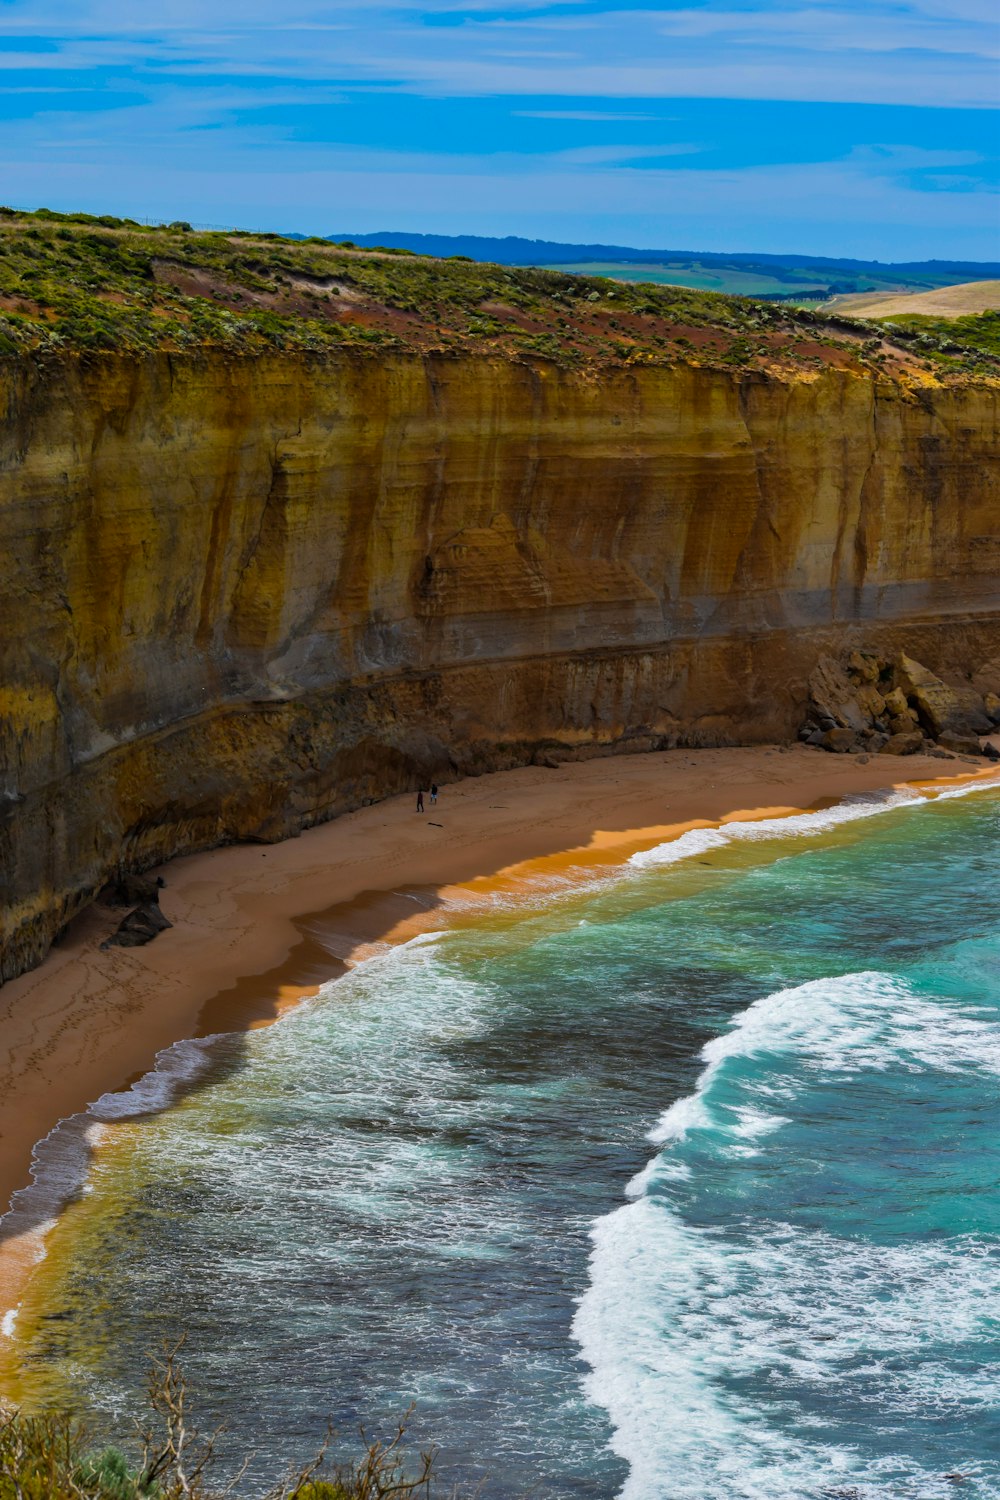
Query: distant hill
x,y
945,302
773,277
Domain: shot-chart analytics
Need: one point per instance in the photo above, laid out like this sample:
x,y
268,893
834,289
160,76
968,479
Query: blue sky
x,y
852,127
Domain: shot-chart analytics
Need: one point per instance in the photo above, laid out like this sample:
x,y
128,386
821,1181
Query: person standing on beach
x,y
434,794
420,800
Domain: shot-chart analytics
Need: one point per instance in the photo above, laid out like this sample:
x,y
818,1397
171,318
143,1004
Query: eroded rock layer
x,y
240,596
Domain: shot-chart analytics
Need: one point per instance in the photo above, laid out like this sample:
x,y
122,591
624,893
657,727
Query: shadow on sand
x,y
331,942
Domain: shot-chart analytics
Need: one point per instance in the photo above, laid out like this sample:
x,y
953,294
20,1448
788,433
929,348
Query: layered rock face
x,y
241,596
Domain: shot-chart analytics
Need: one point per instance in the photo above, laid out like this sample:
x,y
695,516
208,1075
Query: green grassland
x,y
735,282
798,286
948,337
87,286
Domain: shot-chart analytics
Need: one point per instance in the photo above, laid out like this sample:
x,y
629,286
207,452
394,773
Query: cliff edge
x,y
257,579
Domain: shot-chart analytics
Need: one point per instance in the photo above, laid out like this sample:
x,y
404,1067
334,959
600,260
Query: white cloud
x,y
587,156
204,66
866,204
924,80
942,51
874,29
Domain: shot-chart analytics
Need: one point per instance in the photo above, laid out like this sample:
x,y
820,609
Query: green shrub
x,y
109,1476
96,285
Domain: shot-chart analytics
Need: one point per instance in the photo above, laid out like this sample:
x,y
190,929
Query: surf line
x,y
61,1160
631,1246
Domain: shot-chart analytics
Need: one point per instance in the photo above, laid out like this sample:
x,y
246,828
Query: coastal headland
x,y
257,929
287,528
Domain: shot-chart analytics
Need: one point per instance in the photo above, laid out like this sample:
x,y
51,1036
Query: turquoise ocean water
x,y
684,1186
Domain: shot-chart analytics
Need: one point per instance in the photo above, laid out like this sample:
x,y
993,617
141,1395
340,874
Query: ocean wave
x,y
796,825
850,1023
966,789
60,1162
653,1370
679,1323
683,1320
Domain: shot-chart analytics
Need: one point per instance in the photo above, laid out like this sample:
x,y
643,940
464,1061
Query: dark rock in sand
x,y
138,928
899,708
903,744
962,744
840,741
834,696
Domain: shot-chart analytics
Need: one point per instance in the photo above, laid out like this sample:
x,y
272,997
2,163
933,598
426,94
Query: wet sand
x,y
258,928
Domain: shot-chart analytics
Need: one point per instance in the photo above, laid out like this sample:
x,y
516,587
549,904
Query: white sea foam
x,y
678,1318
60,1161
175,1067
849,1023
796,825
655,1351
967,788
696,841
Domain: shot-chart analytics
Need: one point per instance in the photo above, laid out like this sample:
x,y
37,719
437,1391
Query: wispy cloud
x,y
566,112
942,53
767,208
815,27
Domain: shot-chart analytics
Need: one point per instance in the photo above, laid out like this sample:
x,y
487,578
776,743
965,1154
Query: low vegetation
x,y
55,1458
950,338
87,286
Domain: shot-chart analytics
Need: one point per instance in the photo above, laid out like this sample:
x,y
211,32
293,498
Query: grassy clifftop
x,y
83,285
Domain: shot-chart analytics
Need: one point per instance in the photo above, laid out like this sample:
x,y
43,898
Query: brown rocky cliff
x,y
239,596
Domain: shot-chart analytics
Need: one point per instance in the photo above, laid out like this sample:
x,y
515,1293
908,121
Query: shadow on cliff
x,y
329,941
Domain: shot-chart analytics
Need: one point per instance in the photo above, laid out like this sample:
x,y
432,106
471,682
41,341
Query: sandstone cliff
x,y
241,595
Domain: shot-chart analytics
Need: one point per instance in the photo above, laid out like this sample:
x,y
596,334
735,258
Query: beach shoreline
x,y
257,929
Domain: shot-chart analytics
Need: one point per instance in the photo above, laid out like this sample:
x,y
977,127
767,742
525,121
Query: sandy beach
x,y
257,928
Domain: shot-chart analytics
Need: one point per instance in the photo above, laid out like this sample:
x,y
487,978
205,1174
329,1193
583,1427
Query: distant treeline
x,y
513,251
805,293
815,293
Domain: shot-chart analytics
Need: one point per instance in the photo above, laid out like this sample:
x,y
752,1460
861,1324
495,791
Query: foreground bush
x,y
52,1458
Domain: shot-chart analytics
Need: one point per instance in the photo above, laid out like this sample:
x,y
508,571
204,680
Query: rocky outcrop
x,y
243,595
895,707
140,927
